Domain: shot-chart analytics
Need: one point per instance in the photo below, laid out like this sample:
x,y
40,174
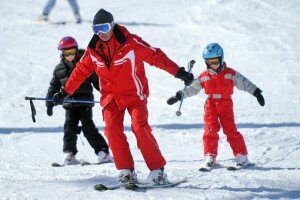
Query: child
x,y
218,81
70,55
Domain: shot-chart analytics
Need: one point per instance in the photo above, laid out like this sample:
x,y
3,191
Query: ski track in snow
x,y
261,41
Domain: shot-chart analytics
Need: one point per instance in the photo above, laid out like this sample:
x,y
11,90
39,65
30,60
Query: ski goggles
x,y
103,28
69,52
213,61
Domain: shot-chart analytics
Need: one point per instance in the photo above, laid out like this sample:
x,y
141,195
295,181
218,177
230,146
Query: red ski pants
x,y
114,131
216,112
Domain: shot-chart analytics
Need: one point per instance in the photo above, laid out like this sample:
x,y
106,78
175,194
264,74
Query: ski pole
x,y
33,111
65,100
190,66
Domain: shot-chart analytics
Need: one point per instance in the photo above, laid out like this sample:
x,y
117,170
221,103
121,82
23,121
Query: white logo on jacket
x,y
131,56
97,62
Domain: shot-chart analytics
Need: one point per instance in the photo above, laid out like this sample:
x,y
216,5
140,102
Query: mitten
x,y
58,98
259,96
49,111
175,98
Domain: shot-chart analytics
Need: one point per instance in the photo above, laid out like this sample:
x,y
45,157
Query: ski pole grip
x,y
191,64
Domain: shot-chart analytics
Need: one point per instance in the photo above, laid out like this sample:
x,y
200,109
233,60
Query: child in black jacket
x,y
76,112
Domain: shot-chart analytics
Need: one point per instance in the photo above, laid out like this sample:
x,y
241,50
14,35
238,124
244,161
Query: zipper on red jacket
x,y
103,55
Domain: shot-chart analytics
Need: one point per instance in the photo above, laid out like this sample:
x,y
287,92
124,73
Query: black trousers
x,y
71,130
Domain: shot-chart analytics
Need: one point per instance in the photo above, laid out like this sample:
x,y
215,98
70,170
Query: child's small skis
x,y
235,167
82,163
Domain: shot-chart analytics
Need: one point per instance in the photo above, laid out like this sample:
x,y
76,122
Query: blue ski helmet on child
x,y
213,50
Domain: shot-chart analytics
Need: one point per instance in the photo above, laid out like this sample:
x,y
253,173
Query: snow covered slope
x,y
261,41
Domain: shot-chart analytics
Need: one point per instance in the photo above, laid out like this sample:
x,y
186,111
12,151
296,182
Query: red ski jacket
x,y
120,68
220,85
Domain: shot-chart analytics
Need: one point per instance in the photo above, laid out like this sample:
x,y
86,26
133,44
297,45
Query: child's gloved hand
x,y
49,111
59,97
175,98
259,96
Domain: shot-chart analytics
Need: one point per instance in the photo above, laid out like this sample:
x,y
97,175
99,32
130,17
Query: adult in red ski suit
x,y
117,57
218,82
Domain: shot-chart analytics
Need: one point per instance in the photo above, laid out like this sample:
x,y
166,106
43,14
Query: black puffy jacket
x,y
61,73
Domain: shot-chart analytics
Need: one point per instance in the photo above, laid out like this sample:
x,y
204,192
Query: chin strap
x,y
220,68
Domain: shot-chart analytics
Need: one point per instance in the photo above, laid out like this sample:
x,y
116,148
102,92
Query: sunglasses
x,y
69,52
103,28
213,61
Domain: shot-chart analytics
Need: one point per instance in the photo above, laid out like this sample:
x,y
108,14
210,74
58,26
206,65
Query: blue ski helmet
x,y
213,50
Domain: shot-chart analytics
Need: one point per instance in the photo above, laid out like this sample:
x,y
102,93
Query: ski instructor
x,y
117,57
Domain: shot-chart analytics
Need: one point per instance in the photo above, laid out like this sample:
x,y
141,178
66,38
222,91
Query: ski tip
x,y
231,168
131,186
100,187
204,170
55,164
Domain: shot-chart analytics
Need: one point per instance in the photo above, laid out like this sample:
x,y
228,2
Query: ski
x,y
103,187
238,167
205,169
62,22
55,164
82,163
52,22
139,185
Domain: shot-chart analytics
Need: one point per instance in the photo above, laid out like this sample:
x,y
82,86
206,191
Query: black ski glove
x,y
58,98
259,96
185,76
175,98
49,111
49,105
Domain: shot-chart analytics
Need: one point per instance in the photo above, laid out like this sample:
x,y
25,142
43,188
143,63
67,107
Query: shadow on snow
x,y
265,192
8,130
